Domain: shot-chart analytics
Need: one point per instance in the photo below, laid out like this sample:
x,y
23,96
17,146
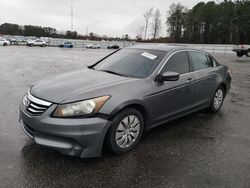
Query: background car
x,y
66,44
4,42
36,42
93,46
241,50
113,46
12,40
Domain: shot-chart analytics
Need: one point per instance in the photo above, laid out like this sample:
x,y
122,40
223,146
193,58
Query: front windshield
x,y
137,63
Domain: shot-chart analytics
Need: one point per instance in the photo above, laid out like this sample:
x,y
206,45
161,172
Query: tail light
x,y
242,46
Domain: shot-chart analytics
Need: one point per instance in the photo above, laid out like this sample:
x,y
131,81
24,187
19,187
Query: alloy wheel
x,y
218,99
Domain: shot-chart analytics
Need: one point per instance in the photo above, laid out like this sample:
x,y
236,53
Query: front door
x,y
171,98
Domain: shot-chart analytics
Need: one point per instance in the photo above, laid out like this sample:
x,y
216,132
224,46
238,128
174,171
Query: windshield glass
x,y
131,62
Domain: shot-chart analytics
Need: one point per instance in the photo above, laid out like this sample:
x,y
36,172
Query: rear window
x,y
199,60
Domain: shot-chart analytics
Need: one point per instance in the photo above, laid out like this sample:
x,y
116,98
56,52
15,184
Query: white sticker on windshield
x,y
148,55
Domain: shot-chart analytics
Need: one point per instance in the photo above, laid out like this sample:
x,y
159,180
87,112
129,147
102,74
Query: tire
x,y
248,53
5,44
43,45
218,99
118,135
31,45
239,54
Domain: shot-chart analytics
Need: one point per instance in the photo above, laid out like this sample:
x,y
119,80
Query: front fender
x,y
142,106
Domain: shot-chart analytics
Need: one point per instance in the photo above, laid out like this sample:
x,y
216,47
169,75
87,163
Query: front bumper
x,y
75,137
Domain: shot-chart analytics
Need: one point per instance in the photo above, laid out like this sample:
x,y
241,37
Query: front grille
x,y
36,109
35,106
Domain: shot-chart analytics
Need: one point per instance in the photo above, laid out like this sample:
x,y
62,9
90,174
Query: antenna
x,y
72,14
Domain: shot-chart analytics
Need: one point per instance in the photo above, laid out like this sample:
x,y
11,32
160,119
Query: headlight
x,y
81,108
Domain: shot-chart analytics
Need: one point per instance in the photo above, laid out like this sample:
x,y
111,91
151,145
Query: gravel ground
x,y
200,150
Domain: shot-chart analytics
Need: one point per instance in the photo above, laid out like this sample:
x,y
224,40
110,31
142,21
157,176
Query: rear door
x,y
205,77
171,98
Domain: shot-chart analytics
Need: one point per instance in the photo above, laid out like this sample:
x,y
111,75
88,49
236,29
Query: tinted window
x,y
199,60
214,62
131,62
177,63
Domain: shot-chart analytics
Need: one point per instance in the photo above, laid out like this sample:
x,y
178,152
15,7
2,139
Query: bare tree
x,y
147,15
140,33
156,23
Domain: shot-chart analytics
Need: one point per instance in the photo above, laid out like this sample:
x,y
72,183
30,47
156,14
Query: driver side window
x,y
177,63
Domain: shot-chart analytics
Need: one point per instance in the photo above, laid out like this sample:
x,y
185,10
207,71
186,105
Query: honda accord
x,y
115,100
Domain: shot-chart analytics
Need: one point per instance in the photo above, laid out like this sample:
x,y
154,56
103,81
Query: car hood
x,y
86,83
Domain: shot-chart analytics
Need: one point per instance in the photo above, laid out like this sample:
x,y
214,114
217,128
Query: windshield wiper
x,y
112,72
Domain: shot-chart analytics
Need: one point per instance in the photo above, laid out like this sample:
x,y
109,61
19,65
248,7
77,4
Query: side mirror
x,y
168,76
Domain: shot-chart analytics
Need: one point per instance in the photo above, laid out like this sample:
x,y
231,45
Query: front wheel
x,y
126,131
218,99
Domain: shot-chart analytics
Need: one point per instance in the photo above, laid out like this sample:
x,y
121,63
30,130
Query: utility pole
x,y
72,14
87,31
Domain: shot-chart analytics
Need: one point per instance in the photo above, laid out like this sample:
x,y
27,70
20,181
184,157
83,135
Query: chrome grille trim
x,y
38,101
36,106
34,111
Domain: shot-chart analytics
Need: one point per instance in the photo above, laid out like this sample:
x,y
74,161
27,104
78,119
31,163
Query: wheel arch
x,y
224,86
136,104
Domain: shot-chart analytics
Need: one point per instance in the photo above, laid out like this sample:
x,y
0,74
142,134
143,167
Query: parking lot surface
x,y
200,150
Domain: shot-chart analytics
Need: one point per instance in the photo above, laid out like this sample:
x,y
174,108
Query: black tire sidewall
x,y
212,108
111,140
248,53
239,54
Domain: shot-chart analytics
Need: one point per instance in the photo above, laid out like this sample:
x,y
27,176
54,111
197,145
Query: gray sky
x,y
109,17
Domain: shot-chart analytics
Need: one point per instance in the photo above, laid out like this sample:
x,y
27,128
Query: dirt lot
x,y
201,150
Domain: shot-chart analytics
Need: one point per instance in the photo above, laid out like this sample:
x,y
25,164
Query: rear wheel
x,y
248,53
31,45
240,54
218,99
5,44
126,131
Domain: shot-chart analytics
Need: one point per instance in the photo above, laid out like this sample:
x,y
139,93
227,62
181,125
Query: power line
x,y
72,15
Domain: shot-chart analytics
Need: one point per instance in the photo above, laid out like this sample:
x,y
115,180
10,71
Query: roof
x,y
160,47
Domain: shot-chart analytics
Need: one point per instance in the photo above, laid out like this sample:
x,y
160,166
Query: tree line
x,y
38,31
226,23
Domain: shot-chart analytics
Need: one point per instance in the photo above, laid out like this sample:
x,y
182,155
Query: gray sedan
x,y
118,98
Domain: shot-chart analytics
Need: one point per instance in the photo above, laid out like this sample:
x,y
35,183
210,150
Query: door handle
x,y
189,79
213,72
